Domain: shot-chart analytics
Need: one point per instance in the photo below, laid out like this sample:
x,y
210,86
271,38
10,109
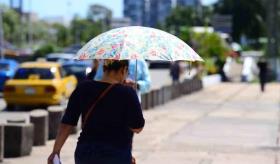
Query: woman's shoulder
x,y
88,85
124,89
85,83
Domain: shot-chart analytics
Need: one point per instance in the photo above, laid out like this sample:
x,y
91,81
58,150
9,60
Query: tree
x,y
62,35
83,30
14,28
210,45
11,25
181,16
41,32
248,17
43,50
101,14
212,49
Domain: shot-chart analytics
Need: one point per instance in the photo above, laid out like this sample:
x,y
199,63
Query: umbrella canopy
x,y
136,42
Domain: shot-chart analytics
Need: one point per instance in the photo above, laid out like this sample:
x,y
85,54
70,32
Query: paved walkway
x,y
224,124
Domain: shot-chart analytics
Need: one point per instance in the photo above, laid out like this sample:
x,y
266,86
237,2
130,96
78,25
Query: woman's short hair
x,y
114,65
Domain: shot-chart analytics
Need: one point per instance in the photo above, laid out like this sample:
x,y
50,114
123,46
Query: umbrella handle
x,y
135,79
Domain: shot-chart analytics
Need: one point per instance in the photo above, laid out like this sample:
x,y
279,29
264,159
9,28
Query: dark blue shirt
x,y
113,117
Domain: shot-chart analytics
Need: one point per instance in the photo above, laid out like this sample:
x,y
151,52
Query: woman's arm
x,y
63,133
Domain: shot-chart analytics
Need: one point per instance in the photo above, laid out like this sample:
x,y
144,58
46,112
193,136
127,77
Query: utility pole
x,y
1,35
30,36
273,33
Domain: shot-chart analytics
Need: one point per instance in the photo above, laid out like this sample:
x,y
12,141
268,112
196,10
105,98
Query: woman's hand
x,y
131,83
51,157
63,133
137,131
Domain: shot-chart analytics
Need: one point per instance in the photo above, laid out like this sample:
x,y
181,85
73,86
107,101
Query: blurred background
x,y
218,30
215,29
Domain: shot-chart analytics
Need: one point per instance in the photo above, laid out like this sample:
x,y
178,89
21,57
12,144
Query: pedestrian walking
x,y
175,72
262,64
111,114
142,80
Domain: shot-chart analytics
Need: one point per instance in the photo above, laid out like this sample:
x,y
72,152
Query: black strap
x,y
91,109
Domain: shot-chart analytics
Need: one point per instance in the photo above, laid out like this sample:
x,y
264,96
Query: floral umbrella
x,y
136,42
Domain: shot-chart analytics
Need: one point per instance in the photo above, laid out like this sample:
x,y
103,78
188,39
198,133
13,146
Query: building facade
x,y
136,11
120,22
154,12
191,3
99,13
158,11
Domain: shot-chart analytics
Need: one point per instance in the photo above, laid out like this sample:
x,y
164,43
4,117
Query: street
x,y
223,124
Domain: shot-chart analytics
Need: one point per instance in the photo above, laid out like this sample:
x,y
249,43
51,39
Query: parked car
x,y
7,70
78,68
73,49
38,84
60,57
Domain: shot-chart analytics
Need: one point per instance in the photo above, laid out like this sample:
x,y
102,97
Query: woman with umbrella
x,y
109,124
110,110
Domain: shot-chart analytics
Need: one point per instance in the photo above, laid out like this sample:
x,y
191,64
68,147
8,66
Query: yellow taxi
x,y
38,84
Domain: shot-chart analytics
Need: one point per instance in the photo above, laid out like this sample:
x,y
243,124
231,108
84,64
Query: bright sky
x,y
67,8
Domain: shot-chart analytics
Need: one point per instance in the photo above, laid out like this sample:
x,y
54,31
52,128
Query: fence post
x,y
41,127
18,139
55,115
1,142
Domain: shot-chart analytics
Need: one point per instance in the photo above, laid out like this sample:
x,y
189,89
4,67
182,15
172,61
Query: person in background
x,y
91,75
143,79
111,114
175,72
262,64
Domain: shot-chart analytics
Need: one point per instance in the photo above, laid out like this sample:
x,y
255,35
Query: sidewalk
x,y
223,124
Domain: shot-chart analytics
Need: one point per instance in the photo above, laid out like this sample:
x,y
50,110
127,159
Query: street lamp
x,y
1,35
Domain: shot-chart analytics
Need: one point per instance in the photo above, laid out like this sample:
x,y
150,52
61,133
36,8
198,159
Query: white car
x,y
60,57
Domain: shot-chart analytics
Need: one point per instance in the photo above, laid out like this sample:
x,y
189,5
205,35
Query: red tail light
x,y
50,89
9,89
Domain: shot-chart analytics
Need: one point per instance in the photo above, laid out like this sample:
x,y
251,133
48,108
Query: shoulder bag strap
x,y
95,103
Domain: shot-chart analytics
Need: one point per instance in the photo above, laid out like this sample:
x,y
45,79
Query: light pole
x,y
273,34
1,35
30,36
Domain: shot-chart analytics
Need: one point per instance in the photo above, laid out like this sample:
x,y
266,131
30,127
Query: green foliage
x,y
44,50
11,24
185,34
62,35
248,17
41,32
181,17
83,30
17,31
210,66
187,17
212,49
210,45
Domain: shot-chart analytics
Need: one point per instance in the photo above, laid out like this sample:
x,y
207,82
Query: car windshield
x,y
4,66
43,73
